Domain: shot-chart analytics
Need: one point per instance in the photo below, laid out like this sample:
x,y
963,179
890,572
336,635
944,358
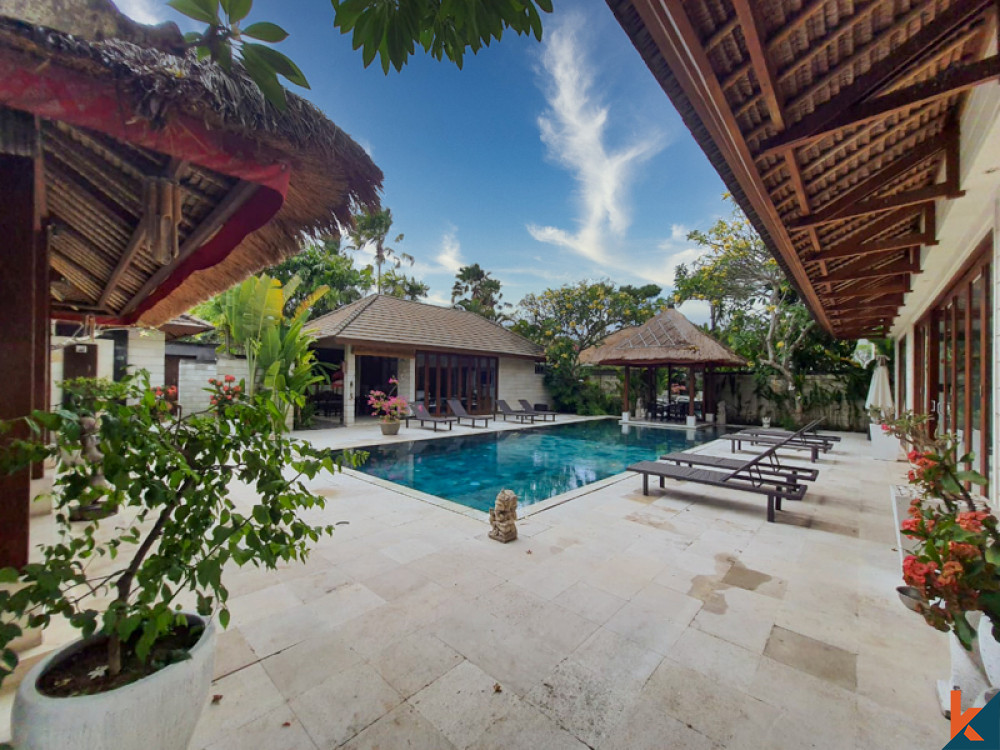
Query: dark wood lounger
x,y
529,409
421,415
506,411
460,413
737,439
775,492
772,468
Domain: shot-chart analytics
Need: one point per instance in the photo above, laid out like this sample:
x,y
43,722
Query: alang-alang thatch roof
x,y
137,137
666,339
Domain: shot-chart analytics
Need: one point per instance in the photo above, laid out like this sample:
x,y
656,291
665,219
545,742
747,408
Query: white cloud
x,y
143,11
574,130
450,257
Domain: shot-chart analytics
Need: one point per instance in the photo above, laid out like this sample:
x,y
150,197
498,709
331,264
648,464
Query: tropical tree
x,y
397,284
575,317
323,263
371,228
479,291
752,304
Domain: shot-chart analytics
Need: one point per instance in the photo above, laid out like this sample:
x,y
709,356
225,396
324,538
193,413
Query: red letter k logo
x,y
960,721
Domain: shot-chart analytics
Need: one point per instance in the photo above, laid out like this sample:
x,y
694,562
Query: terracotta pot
x,y
159,711
390,428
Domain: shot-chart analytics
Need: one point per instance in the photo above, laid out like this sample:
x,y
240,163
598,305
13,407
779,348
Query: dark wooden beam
x,y
878,205
893,301
228,206
132,249
896,268
877,227
902,287
845,106
954,80
877,181
902,242
761,61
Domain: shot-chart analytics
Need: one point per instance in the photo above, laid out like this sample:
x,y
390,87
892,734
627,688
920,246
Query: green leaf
x,y
199,10
264,76
224,618
8,575
266,32
237,10
279,63
972,476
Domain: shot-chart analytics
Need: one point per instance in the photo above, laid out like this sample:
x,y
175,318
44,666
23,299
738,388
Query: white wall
x,y
147,351
192,380
517,380
105,364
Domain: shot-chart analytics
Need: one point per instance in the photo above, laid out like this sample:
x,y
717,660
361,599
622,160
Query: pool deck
x,y
616,620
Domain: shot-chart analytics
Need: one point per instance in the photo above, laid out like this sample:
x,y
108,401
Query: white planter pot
x,y
158,712
884,447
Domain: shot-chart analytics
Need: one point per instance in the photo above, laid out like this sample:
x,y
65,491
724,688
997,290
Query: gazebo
x,y
139,181
666,340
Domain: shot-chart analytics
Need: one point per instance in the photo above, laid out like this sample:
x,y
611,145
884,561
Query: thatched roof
x,y
835,125
403,326
667,339
124,127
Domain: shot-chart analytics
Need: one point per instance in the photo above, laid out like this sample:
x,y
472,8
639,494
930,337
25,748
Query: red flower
x,y
972,520
230,378
886,429
963,551
911,526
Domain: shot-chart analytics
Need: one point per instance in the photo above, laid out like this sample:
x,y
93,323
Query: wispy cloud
x,y
574,128
450,256
143,11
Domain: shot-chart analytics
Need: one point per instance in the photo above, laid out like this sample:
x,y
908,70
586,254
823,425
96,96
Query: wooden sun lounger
x,y
773,467
460,413
807,434
506,411
741,478
421,415
529,409
736,440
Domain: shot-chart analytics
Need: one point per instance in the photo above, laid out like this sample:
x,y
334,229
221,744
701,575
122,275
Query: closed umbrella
x,y
880,392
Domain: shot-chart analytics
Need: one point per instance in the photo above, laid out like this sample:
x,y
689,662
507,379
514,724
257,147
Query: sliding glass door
x,y
471,379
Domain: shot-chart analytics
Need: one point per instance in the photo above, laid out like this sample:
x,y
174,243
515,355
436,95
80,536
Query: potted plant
x,y
388,407
140,674
954,566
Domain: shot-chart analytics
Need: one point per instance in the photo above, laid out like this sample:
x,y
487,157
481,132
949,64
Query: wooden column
x,y
22,288
691,391
708,384
625,401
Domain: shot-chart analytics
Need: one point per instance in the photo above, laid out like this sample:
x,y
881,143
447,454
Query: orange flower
x,y
963,551
972,520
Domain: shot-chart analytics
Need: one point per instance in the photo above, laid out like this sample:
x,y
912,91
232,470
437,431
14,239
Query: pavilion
x,y
666,340
139,181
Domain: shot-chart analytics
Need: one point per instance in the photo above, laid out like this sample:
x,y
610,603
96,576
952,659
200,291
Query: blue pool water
x,y
535,463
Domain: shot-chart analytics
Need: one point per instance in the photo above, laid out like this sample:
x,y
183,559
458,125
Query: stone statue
x,y
502,517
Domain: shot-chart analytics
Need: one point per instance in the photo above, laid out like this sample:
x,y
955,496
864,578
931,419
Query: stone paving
x,y
615,620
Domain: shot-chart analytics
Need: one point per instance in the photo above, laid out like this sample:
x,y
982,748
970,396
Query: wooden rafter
x,y
222,212
900,287
859,271
902,242
875,228
906,199
762,65
875,300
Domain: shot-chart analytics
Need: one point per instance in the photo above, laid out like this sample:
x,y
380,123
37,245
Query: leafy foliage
x,y
397,284
323,263
225,40
480,293
573,318
372,228
177,526
391,30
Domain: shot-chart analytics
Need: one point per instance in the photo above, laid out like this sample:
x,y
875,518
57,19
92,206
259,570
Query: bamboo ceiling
x,y
835,124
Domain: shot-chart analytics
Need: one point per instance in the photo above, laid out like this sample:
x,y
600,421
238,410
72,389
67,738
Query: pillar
x,y
24,305
350,386
625,399
691,391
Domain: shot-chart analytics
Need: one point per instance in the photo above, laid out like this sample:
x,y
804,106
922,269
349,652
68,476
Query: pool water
x,y
536,463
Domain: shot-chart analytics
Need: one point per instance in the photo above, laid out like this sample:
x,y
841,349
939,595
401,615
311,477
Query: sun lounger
x,y
529,409
736,440
772,467
741,478
421,415
460,413
506,411
807,434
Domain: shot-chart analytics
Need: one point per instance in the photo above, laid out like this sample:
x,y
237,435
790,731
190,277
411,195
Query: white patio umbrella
x,y
880,392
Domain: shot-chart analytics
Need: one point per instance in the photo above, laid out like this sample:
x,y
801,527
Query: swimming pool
x,y
536,463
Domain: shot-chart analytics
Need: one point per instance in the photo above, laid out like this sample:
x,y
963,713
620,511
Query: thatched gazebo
x,y
139,181
666,340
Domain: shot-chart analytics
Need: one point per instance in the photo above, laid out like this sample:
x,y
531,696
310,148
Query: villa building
x,y
437,353
863,143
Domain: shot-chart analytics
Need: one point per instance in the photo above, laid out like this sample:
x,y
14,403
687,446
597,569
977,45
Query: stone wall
x,y
192,380
744,405
147,351
517,380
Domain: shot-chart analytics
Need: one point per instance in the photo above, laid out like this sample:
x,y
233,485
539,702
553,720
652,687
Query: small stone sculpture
x,y
502,517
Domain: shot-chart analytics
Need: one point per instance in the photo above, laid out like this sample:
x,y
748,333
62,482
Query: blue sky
x,y
546,163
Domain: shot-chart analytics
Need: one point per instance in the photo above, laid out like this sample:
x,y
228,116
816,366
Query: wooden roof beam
x,y
878,226
853,105
222,212
876,300
762,64
878,205
902,242
900,287
896,268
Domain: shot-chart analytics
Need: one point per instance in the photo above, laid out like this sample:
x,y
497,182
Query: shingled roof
x,y
667,339
380,319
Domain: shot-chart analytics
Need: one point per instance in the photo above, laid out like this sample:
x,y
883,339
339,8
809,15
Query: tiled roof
x,y
668,338
389,320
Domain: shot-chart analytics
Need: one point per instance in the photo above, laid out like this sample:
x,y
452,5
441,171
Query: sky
x,y
546,163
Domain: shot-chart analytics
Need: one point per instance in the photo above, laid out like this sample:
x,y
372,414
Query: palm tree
x,y
482,289
372,229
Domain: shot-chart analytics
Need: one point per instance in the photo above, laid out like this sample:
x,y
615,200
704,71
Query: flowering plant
x,y
388,407
225,392
955,565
